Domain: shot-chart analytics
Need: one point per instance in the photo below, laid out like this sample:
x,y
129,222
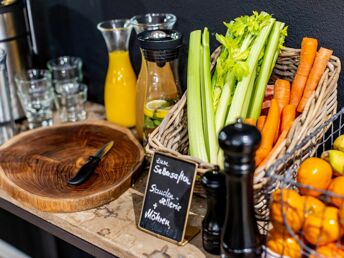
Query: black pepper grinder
x,y
240,236
215,187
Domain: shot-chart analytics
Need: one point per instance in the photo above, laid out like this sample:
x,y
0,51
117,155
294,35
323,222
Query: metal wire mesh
x,y
283,176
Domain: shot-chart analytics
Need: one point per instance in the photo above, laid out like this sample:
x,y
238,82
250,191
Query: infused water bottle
x,y
160,49
140,23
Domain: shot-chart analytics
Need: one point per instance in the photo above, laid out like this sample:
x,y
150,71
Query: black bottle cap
x,y
160,46
239,138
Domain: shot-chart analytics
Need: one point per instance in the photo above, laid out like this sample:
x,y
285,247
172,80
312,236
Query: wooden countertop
x,y
113,227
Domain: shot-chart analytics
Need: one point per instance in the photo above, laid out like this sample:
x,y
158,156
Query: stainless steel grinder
x,y
15,39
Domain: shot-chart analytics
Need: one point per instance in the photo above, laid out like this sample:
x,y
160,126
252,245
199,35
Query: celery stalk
x,y
194,114
241,89
250,89
274,60
203,103
283,34
224,102
220,159
208,121
265,71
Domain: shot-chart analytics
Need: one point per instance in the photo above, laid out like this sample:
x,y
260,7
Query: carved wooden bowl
x,y
36,165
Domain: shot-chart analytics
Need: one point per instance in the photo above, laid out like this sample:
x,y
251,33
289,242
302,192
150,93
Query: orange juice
x,y
120,89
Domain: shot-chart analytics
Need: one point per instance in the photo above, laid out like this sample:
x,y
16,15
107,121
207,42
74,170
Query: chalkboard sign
x,y
168,197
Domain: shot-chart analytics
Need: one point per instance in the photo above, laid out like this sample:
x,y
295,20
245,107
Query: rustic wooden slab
x,y
36,165
113,227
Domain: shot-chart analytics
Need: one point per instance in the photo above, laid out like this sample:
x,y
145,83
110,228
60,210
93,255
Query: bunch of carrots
x,y
289,100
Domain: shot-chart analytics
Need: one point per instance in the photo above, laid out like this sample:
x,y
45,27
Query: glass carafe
x,y
149,21
120,83
160,50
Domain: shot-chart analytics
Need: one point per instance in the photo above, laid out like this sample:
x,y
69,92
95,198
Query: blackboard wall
x,y
68,27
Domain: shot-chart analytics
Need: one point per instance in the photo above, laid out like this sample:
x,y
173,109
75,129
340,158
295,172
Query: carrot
x,y
250,121
314,77
268,132
280,140
288,115
308,51
260,123
282,95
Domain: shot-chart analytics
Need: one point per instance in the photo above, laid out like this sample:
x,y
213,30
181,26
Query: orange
x,y
322,228
330,250
312,205
283,244
337,187
292,208
314,172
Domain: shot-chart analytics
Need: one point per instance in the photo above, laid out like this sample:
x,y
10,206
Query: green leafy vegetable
x,y
249,51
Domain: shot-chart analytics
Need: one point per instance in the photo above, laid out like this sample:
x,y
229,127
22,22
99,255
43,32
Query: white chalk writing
x,y
155,216
165,172
165,193
170,204
162,162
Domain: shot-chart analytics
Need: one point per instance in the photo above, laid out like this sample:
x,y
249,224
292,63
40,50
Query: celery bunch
x,y
249,52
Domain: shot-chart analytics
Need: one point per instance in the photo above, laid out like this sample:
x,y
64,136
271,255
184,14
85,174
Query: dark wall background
x,y
68,27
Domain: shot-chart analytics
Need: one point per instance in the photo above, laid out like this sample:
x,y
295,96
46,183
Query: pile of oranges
x,y
315,216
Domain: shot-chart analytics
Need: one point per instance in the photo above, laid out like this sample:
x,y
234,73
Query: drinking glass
x,y
65,68
65,71
36,95
71,102
153,21
7,125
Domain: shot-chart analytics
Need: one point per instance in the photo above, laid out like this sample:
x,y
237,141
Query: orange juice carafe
x,y
160,49
140,23
120,83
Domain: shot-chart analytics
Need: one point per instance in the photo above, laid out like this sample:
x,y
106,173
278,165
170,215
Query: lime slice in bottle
x,y
158,108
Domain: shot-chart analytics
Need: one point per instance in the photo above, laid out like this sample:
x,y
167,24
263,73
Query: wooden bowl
x,y
36,165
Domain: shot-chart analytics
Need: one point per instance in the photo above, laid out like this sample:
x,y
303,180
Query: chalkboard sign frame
x,y
188,231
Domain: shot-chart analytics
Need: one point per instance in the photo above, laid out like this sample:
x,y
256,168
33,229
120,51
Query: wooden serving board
x,y
36,165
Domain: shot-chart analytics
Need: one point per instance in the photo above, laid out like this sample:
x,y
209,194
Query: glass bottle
x,y
160,50
240,238
140,23
120,83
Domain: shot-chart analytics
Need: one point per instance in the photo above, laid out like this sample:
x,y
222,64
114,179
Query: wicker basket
x,y
284,172
172,137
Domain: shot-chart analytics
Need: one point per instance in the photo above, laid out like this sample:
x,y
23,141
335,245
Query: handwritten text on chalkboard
x,y
167,198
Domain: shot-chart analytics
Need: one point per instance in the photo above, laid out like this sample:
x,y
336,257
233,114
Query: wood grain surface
x,y
36,165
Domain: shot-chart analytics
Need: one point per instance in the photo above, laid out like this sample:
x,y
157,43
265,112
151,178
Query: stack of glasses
x,y
61,85
71,94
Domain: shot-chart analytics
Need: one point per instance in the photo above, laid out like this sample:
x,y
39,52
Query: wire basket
x,y
301,226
